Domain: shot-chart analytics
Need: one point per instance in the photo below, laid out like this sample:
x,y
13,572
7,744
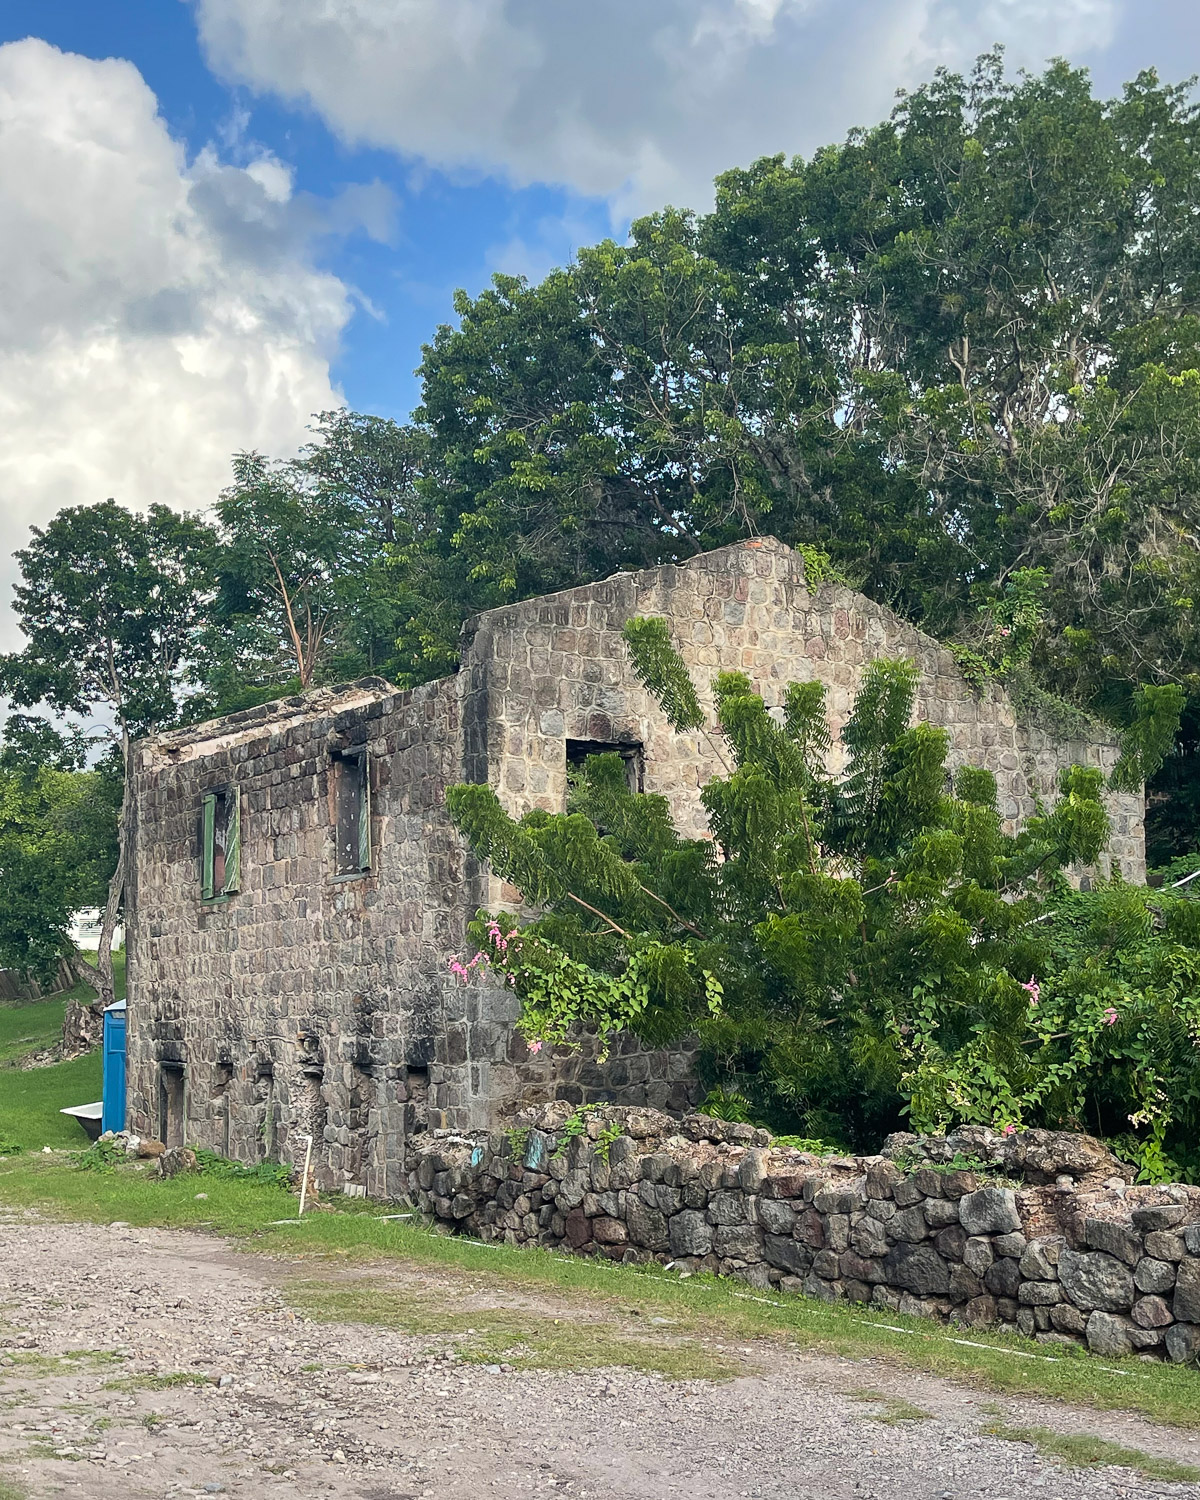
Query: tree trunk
x,y
82,971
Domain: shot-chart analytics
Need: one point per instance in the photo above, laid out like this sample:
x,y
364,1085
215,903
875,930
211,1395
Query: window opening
x,y
264,1096
172,1127
222,1078
630,751
221,845
416,1110
352,803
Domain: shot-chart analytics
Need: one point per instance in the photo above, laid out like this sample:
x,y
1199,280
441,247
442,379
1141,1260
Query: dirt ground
x,y
288,1409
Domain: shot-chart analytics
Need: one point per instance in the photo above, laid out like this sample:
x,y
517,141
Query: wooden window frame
x,y
232,878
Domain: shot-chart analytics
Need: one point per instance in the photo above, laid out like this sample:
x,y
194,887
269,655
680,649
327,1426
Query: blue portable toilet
x,y
113,1117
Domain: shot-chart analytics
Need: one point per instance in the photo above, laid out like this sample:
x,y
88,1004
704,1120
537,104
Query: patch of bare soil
x,y
160,1364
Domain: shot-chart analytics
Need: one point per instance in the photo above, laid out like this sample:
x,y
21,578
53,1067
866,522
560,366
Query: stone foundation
x,y
1041,1233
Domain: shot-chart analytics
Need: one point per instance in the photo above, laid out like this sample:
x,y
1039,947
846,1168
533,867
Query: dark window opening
x,y
171,1123
352,805
222,1078
221,844
630,752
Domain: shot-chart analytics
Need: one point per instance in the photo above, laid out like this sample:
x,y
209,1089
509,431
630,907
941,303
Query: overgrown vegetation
x,y
854,952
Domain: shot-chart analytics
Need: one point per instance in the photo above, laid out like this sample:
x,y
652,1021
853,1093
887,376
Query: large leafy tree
x,y
111,602
320,563
959,352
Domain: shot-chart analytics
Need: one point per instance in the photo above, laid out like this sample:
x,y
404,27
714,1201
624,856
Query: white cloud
x,y
158,313
640,101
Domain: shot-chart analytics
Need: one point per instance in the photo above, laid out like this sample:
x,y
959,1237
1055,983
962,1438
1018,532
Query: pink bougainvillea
x,y
1110,1016
1035,990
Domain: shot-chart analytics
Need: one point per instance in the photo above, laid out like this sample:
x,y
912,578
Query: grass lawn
x,y
627,1299
30,1099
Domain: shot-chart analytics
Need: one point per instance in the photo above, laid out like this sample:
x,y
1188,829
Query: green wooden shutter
x,y
206,846
364,815
233,842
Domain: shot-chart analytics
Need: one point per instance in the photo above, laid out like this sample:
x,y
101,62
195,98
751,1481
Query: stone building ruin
x,y
298,889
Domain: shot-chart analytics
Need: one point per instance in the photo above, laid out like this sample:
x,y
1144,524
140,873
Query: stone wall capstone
x,y
1041,1232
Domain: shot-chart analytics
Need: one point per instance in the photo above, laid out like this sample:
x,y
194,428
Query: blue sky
x,y
219,216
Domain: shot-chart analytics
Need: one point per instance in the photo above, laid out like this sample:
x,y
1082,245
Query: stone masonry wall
x,y
1044,1236
309,1000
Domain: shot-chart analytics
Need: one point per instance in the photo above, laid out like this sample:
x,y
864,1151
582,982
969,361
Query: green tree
x,y
111,603
955,351
58,845
847,949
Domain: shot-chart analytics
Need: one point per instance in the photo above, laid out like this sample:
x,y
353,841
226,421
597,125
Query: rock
x,y
965,1286
978,1254
906,1193
810,1229
1108,1334
148,1149
1093,1280
980,1312
738,1241
837,1231
1152,1216
1010,1244
1068,1319
752,1172
827,1265
1003,1277
1040,1259
956,1184
837,1200
1151,1312
909,1225
989,1210
1183,1343
916,1268
1187,1292
646,1225
853,1267
1039,1293
929,1181
177,1159
951,1242
1162,1245
606,1231
775,1215
1113,1238
823,1291
882,1177
690,1233
785,1253
1191,1238
727,1208
869,1237
1026,1322
939,1212
1151,1275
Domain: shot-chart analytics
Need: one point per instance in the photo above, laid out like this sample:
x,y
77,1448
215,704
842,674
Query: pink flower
x,y
1009,1130
1109,1017
1035,990
535,1046
1004,630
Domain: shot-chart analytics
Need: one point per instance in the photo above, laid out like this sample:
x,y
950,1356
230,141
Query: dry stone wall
x,y
1042,1233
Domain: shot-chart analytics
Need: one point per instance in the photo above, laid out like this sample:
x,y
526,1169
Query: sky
x,y
219,217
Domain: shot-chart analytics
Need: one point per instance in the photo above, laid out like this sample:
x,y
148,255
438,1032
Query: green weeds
x,y
1081,1451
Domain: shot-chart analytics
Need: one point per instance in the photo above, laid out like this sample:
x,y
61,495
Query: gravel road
x,y
293,1409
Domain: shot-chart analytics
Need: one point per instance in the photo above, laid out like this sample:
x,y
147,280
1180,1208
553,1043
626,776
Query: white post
x,y
304,1179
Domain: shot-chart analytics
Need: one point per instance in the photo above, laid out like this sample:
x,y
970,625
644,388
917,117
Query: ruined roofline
x,y
274,715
